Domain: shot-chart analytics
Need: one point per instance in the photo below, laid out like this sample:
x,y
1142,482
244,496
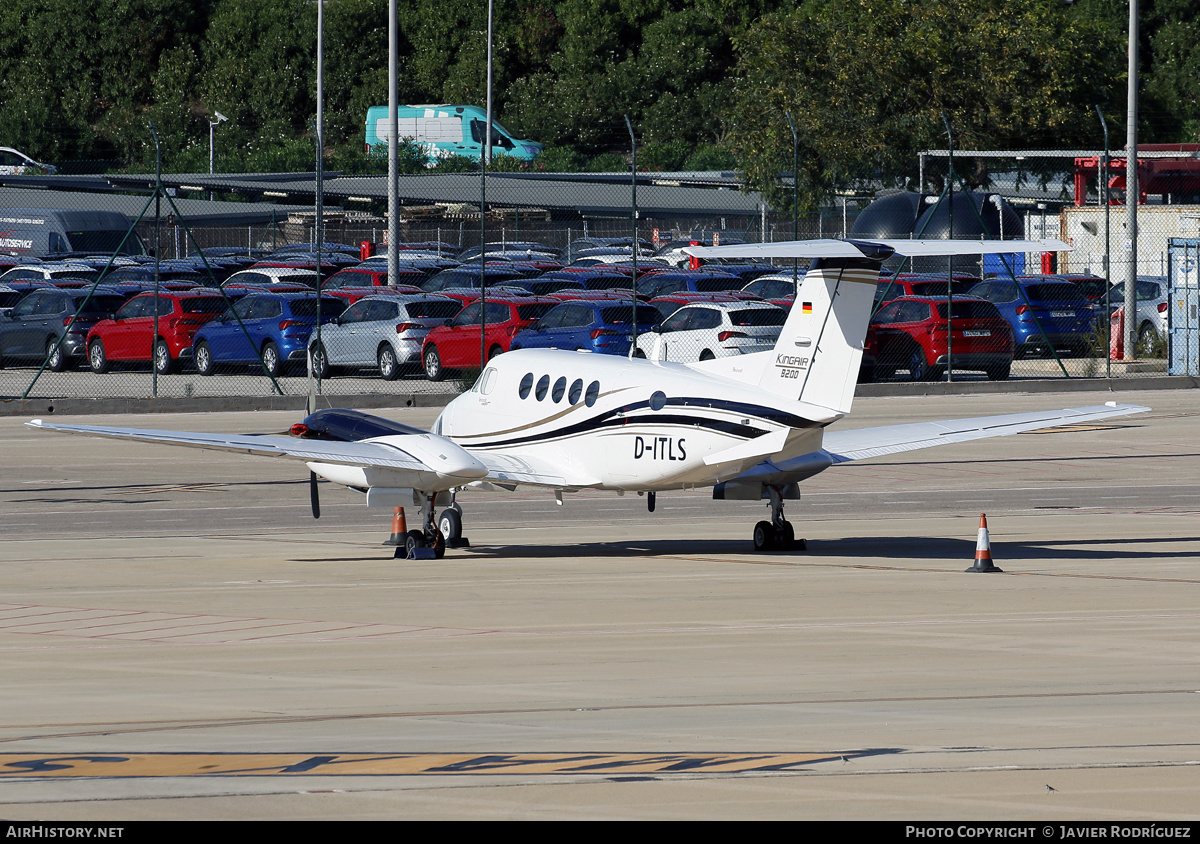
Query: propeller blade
x,y
313,496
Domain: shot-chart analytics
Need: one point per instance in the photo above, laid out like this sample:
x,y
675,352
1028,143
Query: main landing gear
x,y
433,538
777,534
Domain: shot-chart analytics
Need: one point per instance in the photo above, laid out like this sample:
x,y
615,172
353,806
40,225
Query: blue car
x,y
274,325
603,327
1045,315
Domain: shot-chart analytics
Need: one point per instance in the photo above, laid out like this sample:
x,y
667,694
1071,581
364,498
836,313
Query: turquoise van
x,y
445,130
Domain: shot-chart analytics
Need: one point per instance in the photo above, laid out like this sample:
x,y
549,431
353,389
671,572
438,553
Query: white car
x,y
704,331
380,331
16,163
267,276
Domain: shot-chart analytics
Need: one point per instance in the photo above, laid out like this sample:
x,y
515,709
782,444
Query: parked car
x,y
1044,315
602,326
32,329
457,345
712,330
387,332
917,333
273,327
691,281
1152,308
261,276
129,335
16,163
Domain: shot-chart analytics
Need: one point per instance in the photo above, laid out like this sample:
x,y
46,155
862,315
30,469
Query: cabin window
x,y
593,393
526,385
658,401
560,387
576,391
543,385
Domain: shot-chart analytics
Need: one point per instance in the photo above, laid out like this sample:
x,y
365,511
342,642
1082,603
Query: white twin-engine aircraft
x,y
752,427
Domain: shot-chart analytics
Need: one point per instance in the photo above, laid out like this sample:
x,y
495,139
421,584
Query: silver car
x,y
384,332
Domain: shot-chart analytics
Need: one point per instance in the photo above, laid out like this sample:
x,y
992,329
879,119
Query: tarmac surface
x,y
180,640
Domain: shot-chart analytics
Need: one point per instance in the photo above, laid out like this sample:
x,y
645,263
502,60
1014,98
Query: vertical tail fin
x,y
817,356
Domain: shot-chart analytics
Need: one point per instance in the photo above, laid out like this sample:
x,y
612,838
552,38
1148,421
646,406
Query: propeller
x,y
313,496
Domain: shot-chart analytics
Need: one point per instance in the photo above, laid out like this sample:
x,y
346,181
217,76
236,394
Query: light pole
x,y
213,124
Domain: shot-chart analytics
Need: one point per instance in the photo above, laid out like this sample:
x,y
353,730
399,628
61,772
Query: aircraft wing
x,y
423,456
847,446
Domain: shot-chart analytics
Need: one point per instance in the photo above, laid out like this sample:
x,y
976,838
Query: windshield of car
x,y
969,310
619,315
759,316
1054,293
718,284
308,307
203,305
533,311
100,306
432,310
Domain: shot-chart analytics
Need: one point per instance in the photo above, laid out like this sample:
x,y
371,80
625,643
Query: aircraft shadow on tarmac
x,y
864,549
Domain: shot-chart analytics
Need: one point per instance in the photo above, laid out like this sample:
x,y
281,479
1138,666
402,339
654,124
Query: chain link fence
x,y
1043,316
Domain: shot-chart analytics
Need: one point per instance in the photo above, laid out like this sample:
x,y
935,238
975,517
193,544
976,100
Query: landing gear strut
x,y
777,534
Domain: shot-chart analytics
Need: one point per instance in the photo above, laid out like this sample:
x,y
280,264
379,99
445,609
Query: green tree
x,y
867,81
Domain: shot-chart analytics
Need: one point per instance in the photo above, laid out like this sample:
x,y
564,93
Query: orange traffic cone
x,y
983,549
399,529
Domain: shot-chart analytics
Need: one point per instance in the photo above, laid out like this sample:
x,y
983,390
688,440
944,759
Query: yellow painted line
x,y
24,765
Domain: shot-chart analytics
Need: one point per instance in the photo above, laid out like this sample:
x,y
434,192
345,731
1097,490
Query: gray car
x,y
380,331
30,332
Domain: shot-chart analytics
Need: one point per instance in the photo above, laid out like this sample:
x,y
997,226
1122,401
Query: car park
x,y
273,328
712,330
457,345
916,333
1050,316
129,336
51,324
386,332
604,327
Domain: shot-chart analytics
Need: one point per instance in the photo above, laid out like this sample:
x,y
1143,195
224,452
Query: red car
x,y
129,335
456,345
913,333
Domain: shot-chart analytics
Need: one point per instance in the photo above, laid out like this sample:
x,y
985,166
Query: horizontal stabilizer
x,y
875,249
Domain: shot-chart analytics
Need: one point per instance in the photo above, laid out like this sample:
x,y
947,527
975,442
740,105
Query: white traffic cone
x,y
983,549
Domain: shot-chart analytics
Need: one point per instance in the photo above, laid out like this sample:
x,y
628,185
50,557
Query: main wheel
x,y
450,525
413,539
918,368
203,358
320,362
764,536
271,362
56,361
433,364
1147,339
163,363
97,359
389,367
